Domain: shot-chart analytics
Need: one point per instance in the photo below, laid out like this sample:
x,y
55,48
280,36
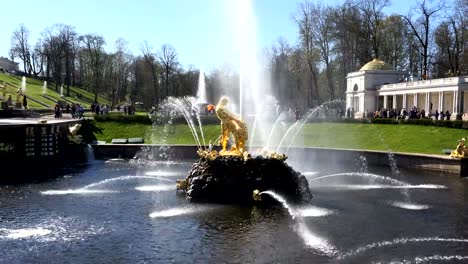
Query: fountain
x,y
44,88
234,176
129,210
201,92
23,84
61,90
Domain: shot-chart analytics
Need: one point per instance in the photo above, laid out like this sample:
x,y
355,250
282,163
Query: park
x,y
303,155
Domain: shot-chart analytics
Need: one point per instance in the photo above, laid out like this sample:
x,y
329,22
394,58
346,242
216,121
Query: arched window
x,y
355,88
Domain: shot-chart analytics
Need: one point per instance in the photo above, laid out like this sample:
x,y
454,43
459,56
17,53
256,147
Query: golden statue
x,y
73,135
181,185
231,124
19,93
3,87
461,151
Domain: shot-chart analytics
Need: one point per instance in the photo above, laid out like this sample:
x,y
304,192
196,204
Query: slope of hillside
x,y
34,90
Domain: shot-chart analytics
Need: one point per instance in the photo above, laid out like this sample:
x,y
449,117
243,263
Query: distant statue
x,y
19,93
461,151
73,136
3,87
231,124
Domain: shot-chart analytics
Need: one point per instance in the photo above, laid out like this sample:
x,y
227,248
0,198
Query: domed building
x,y
377,85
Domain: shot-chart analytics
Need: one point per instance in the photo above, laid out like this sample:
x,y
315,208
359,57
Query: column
x,y
394,102
458,100
455,102
415,100
385,102
441,101
427,105
404,101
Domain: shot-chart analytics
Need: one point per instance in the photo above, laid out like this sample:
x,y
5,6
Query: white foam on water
x,y
409,206
76,191
115,160
401,241
431,259
156,188
314,241
310,173
283,202
124,178
310,239
362,174
164,173
381,186
24,233
173,212
312,211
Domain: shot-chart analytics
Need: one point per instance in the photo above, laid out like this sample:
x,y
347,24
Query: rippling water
x,y
129,212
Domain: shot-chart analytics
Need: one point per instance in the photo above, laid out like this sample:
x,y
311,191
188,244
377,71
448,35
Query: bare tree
x,y
167,56
68,37
20,47
421,29
372,11
280,70
37,60
348,39
123,61
391,48
322,37
150,60
306,27
93,46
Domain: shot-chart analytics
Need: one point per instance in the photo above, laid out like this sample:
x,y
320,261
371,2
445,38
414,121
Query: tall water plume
x,y
253,88
44,88
23,84
201,93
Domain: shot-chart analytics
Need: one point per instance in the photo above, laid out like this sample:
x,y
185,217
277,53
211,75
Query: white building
x,y
8,65
376,85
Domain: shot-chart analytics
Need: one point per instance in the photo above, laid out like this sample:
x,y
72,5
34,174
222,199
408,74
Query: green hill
x,y
34,91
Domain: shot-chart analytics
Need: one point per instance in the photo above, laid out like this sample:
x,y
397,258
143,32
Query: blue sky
x,y
200,30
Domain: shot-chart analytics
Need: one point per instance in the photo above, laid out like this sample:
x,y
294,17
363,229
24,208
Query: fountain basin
x,y
232,179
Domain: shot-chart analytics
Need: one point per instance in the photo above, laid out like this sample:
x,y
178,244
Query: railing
x,y
424,83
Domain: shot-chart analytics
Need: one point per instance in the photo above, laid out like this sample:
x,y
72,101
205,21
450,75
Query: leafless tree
x,y
322,37
150,60
20,46
372,11
167,56
123,60
391,49
348,38
304,21
93,47
422,27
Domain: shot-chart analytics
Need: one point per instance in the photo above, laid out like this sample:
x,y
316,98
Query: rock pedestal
x,y
231,179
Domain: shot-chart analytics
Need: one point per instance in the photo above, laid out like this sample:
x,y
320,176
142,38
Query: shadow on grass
x,y
88,130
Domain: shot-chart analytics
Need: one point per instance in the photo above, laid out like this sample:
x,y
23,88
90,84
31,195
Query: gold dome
x,y
376,65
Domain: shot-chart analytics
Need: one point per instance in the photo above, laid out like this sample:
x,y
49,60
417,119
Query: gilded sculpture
x,y
231,124
461,150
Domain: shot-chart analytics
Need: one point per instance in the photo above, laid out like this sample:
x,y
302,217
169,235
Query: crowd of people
x,y
75,110
413,113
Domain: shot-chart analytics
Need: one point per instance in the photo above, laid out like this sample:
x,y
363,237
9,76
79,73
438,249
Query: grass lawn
x,y
34,90
397,138
175,134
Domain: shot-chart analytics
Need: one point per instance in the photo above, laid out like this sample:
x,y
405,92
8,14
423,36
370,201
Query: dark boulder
x,y
231,179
